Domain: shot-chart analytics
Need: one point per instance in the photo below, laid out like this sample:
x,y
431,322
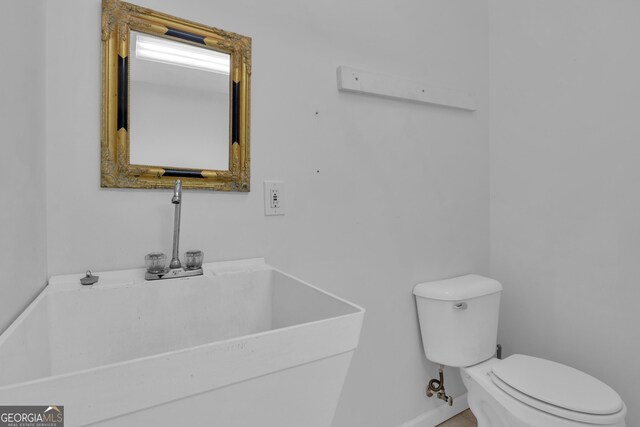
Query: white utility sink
x,y
245,344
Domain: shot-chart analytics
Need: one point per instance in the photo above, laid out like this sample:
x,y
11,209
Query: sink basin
x,y
130,352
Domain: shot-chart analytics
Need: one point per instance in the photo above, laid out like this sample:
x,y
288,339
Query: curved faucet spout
x,y
177,192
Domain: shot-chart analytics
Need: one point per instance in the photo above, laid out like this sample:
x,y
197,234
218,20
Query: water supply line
x,y
436,386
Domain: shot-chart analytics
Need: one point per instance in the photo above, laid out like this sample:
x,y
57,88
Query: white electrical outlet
x,y
273,198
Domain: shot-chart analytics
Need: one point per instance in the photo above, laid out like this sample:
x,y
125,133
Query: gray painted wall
x,y
565,205
23,258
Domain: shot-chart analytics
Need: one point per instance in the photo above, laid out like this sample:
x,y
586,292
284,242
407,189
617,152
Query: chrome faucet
x,y
176,200
175,266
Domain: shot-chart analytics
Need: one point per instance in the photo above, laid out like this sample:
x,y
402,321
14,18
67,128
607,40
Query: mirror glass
x,y
179,104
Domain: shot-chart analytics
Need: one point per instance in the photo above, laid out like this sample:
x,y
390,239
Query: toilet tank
x,y
459,319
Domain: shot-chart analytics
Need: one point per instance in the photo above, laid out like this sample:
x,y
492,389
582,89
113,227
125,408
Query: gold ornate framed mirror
x,y
175,102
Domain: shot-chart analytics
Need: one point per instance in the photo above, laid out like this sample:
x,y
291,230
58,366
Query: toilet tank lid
x,y
458,288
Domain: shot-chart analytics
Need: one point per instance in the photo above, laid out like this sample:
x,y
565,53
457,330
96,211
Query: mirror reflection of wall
x,y
179,104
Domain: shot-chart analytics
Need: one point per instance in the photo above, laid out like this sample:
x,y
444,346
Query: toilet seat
x,y
557,389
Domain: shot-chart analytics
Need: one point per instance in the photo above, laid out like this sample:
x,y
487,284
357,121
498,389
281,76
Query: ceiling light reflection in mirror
x,y
169,52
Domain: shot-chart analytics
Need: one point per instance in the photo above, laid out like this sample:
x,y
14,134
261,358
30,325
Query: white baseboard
x,y
439,414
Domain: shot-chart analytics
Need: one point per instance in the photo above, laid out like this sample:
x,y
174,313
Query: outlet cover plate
x,y
274,198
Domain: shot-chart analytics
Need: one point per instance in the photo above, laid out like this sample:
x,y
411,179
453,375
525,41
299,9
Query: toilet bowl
x,y
458,322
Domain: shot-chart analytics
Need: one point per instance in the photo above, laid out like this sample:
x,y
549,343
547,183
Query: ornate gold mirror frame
x,y
118,20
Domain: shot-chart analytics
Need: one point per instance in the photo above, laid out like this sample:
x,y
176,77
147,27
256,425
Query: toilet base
x,y
495,408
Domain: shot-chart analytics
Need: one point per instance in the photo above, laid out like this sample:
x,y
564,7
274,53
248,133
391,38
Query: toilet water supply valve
x,y
437,387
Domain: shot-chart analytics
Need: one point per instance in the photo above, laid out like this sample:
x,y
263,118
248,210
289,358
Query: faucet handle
x,y
155,262
193,259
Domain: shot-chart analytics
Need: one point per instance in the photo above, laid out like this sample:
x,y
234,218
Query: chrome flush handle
x,y
460,306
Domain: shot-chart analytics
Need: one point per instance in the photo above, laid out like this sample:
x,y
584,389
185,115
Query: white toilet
x,y
459,325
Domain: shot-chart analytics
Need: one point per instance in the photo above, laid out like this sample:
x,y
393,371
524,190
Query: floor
x,y
463,419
